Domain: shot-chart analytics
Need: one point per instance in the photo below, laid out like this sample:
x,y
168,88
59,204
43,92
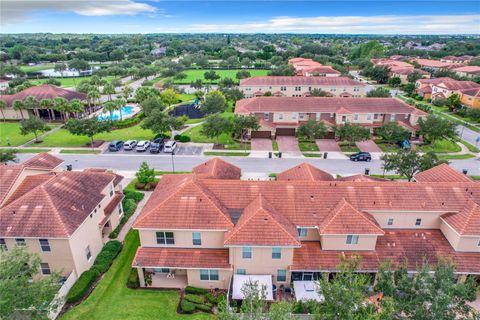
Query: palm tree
x,y
18,106
120,104
47,104
32,104
77,106
3,105
110,106
93,94
109,89
127,91
61,105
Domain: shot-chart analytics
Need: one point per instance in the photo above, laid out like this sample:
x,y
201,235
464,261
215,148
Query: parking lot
x,y
182,149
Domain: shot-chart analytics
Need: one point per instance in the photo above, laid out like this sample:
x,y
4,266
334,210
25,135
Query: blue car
x,y
115,145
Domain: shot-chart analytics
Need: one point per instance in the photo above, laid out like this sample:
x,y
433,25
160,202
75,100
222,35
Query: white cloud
x,y
390,24
16,11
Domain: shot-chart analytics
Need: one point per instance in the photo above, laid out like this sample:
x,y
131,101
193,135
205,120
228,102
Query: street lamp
x,y
173,162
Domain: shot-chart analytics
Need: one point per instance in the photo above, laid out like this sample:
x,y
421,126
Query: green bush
x,y
211,298
106,256
187,306
129,206
194,298
182,138
195,290
204,307
133,281
130,122
80,288
298,307
132,194
116,231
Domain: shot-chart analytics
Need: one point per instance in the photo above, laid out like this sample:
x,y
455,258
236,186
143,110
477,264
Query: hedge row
x,y
133,281
84,282
130,122
106,256
195,290
129,205
190,307
182,138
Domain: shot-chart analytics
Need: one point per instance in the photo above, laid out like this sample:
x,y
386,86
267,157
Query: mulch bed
x,y
96,144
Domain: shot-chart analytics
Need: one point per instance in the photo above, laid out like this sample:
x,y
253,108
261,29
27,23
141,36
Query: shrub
x,y
129,206
187,306
195,290
162,135
211,298
194,298
80,288
204,307
133,281
132,194
106,256
298,307
182,138
116,231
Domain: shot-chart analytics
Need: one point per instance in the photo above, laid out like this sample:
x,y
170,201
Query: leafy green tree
x,y
409,88
391,132
3,106
143,93
408,163
160,122
242,74
110,106
214,102
226,83
60,67
394,82
169,97
369,49
214,126
254,300
117,55
77,106
414,76
150,104
145,174
180,76
233,94
283,70
241,125
127,92
211,75
23,294
78,65
7,155
453,102
352,133
281,310
379,92
434,128
312,130
18,105
197,84
377,73
87,127
472,113
318,93
33,125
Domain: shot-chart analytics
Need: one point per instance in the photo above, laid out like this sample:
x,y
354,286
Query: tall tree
x,y
87,127
169,97
407,163
18,105
214,102
414,76
312,130
352,133
61,105
453,102
33,125
434,128
391,132
318,93
60,67
379,92
211,75
160,122
214,126
145,174
110,106
109,89
127,92
241,125
77,106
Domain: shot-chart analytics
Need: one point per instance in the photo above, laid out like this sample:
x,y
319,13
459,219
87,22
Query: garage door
x,y
261,134
285,132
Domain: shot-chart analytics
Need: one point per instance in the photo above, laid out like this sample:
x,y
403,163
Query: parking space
x,y
180,150
328,145
287,144
261,144
368,146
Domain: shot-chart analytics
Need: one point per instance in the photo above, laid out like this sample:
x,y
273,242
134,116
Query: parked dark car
x,y
115,145
361,156
156,145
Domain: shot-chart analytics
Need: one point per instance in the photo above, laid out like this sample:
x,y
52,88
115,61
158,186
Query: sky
x,y
267,16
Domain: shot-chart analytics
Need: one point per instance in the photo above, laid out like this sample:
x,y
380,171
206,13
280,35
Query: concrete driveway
x,y
368,146
328,145
261,144
287,144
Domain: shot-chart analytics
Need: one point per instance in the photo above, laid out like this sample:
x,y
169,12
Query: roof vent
x,y
13,211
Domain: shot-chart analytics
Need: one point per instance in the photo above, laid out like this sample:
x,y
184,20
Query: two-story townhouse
x,y
309,68
446,88
211,231
63,216
403,73
435,65
283,115
301,86
467,71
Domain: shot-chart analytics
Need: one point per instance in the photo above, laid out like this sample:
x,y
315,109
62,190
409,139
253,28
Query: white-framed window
x,y
298,88
302,232
418,221
165,238
208,275
281,275
45,268
119,207
294,115
392,117
88,253
352,239
161,270
317,116
375,116
301,116
333,89
196,239
355,117
20,242
280,116
390,221
266,116
344,118
44,245
369,116
276,253
283,88
111,191
241,271
247,252
3,245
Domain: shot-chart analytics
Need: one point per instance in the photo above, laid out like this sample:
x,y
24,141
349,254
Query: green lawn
x,y
345,147
187,97
470,146
193,75
111,299
11,130
305,145
225,139
274,145
455,156
440,146
36,68
68,82
30,150
63,138
313,155
193,121
387,147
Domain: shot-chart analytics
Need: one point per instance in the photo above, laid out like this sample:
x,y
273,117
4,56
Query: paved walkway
x,y
328,145
123,233
368,146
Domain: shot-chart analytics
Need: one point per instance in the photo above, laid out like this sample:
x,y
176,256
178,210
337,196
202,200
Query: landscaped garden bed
x,y
199,300
307,145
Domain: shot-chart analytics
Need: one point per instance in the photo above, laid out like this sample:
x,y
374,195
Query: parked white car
x,y
129,144
142,146
170,146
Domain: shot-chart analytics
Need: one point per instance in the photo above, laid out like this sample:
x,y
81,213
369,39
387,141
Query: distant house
x,y
403,73
4,84
399,68
460,60
467,71
442,88
434,65
309,67
159,52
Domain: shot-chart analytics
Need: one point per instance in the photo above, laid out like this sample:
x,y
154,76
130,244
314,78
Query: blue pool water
x,y
126,112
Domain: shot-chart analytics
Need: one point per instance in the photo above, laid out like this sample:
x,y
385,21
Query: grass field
x,y
43,66
193,75
305,145
68,82
63,138
11,130
111,299
440,146
313,155
225,139
455,156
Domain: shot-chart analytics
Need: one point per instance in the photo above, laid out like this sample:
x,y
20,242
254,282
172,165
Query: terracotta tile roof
x,y
43,160
468,69
433,80
321,69
44,91
182,258
399,246
8,175
457,85
181,201
407,71
117,198
475,92
345,219
304,171
118,178
361,178
28,184
467,221
322,104
392,63
218,169
56,207
434,63
299,81
442,173
261,218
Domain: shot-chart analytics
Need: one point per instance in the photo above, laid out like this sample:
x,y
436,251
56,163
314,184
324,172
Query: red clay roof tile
x,y
217,168
299,81
467,221
441,173
304,171
44,161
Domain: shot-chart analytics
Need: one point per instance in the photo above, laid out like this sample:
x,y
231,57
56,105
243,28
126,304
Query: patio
x,y
162,280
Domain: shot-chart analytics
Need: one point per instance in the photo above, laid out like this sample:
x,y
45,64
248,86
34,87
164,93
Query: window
x,y
418,222
390,221
369,116
88,254
375,116
120,211
283,88
247,252
3,245
196,239
333,89
352,239
165,238
241,271
478,244
276,253
266,116
302,232
317,116
281,275
298,88
280,116
309,89
355,117
392,117
111,191
45,245
208,275
301,116
45,268
344,118
20,242
294,115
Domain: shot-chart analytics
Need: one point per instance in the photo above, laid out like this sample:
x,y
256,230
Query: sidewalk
x,y
128,225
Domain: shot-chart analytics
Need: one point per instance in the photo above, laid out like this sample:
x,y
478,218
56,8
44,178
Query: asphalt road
x,y
131,162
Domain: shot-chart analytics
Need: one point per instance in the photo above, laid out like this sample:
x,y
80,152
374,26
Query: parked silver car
x,y
142,146
129,144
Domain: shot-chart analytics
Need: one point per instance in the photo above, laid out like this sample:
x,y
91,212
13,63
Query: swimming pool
x,y
127,111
